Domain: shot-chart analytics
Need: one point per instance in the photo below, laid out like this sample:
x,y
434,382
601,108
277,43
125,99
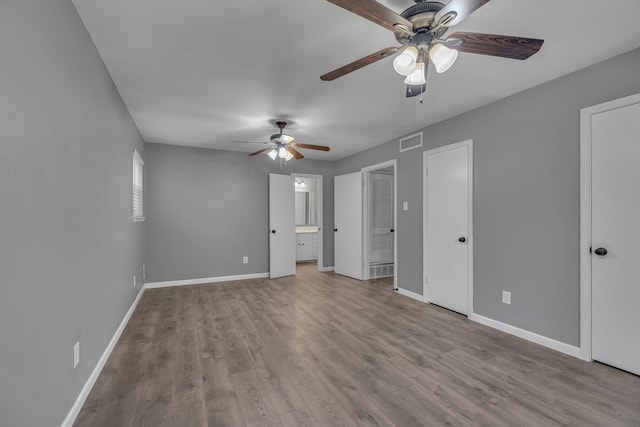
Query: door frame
x,y
469,144
319,216
586,115
366,214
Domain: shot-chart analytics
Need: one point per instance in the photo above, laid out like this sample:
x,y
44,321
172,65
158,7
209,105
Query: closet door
x,y
615,205
282,226
447,226
348,225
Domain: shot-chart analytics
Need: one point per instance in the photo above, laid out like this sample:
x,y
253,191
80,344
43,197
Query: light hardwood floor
x,y
319,349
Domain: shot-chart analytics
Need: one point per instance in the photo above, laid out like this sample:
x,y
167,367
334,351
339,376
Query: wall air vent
x,y
410,142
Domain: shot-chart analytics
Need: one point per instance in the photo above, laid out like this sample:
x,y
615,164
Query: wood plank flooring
x,y
319,349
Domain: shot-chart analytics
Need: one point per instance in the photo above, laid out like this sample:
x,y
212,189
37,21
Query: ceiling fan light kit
x,y
421,29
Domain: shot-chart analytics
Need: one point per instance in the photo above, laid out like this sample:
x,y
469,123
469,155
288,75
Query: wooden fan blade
x,y
313,147
374,12
261,151
295,153
496,45
461,8
356,65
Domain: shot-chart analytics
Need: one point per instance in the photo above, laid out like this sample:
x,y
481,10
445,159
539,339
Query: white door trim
x,y
469,144
365,217
319,216
585,215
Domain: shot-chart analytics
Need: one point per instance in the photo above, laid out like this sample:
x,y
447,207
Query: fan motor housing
x,y
422,16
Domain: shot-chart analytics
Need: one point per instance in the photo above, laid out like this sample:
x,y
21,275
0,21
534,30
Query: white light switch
x,y
76,354
506,297
405,206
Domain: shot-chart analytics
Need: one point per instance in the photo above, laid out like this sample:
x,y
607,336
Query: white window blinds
x,y
138,187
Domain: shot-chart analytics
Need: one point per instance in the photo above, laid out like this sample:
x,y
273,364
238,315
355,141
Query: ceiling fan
x,y
421,29
283,146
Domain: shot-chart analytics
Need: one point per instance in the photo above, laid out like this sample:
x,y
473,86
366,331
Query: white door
x,y
381,207
615,139
282,226
447,226
348,225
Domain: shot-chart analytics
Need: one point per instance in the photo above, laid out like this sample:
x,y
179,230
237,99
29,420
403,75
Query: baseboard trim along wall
x,y
86,389
202,281
529,336
411,295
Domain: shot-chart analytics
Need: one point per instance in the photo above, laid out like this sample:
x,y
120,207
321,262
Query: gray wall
x,y
68,247
206,209
526,196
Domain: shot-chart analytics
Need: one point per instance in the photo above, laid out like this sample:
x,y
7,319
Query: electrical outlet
x,y
134,280
245,259
506,297
76,354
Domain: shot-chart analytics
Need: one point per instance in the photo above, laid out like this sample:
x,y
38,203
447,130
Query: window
x,y
138,187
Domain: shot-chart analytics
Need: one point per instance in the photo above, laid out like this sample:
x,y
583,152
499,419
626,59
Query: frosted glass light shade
x,y
417,77
405,63
273,154
288,157
282,152
285,139
443,57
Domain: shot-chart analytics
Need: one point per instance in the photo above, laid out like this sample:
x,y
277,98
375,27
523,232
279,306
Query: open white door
x,y
282,226
447,228
615,252
348,225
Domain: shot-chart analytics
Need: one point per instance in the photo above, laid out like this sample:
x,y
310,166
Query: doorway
x,y
308,219
447,226
609,234
379,221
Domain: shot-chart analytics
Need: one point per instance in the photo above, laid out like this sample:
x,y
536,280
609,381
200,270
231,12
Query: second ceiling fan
x,y
421,29
282,146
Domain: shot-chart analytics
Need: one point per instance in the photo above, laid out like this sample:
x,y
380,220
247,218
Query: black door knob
x,y
273,231
335,229
462,239
392,230
600,251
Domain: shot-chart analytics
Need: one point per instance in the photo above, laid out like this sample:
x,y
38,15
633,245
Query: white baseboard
x,y
330,268
571,350
411,295
153,285
86,389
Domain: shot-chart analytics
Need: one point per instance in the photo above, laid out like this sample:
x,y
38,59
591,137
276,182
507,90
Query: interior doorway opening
x,y
308,219
379,221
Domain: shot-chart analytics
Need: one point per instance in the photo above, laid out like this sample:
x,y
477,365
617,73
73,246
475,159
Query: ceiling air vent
x,y
410,142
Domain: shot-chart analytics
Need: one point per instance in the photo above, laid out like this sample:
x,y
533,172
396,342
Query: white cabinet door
x,y
447,227
615,139
348,225
282,226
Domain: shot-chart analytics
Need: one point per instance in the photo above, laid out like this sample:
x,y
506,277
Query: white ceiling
x,y
205,72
